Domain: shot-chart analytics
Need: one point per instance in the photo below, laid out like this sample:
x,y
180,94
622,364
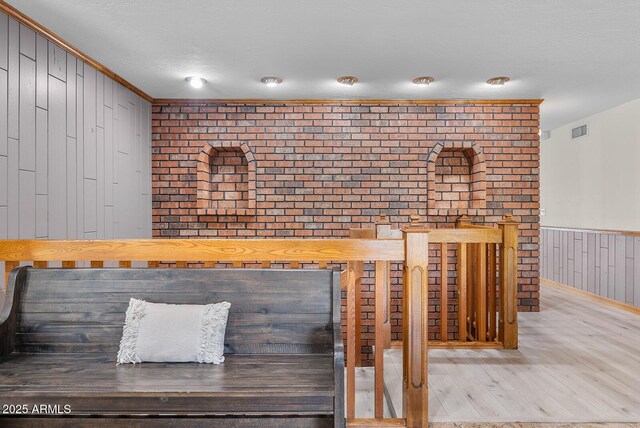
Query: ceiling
x,y
581,56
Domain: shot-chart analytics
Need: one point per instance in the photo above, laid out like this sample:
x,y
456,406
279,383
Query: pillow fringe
x,y
213,319
127,352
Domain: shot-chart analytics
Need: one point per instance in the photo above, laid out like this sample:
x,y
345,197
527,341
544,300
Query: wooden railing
x,y
486,295
238,253
380,245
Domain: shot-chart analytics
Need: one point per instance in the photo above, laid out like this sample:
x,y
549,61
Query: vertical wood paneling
x,y
108,156
3,115
72,187
42,63
27,205
100,183
27,42
57,138
42,228
3,229
13,89
620,269
601,263
90,138
4,171
57,62
42,152
79,154
636,271
60,153
27,115
4,36
13,190
71,95
90,207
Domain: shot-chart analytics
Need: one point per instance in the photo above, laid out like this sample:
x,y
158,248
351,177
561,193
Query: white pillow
x,y
159,332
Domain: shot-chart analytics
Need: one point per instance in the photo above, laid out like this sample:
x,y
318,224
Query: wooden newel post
x,y
415,307
508,319
383,282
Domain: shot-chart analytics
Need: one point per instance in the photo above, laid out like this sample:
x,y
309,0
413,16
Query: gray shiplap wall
x,y
601,263
75,156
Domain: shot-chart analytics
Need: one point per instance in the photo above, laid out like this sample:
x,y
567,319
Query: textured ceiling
x,y
581,56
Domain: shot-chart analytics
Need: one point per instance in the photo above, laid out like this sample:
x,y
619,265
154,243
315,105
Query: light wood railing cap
x,y
415,226
463,219
383,219
507,219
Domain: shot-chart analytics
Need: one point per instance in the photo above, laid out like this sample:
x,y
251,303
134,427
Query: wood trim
x,y
466,235
229,250
30,23
590,296
375,423
607,231
397,344
534,101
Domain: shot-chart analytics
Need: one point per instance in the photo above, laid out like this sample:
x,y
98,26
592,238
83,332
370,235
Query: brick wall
x,y
318,169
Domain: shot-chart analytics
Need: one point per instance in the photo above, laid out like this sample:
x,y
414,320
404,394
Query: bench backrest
x,y
83,310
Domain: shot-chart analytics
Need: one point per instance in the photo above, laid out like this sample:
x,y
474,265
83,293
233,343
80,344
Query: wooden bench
x,y
60,331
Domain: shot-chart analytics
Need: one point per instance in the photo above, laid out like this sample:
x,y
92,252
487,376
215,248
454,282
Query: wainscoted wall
x,y
606,264
75,153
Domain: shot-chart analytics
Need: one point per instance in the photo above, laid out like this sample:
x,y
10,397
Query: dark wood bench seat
x,y
283,349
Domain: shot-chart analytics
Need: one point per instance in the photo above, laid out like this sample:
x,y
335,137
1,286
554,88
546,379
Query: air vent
x,y
580,131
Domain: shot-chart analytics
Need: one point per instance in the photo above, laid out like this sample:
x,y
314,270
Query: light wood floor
x,y
578,361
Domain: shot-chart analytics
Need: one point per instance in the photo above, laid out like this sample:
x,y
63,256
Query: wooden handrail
x,y
202,250
486,255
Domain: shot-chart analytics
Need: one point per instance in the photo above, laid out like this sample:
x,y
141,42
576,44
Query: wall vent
x,y
580,131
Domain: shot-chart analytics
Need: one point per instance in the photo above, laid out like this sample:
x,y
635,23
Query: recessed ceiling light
x,y
423,80
271,81
196,81
347,80
498,81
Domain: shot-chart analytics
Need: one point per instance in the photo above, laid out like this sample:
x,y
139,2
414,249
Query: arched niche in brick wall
x,y
226,174
456,181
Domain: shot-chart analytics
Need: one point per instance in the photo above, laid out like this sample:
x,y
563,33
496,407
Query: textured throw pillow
x,y
159,332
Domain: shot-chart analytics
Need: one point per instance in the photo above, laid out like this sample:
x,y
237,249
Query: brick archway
x,y
226,174
456,181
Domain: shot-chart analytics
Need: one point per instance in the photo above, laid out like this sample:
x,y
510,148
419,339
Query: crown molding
x,y
535,101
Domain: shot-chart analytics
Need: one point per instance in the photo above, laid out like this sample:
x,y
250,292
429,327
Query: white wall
x,y
593,182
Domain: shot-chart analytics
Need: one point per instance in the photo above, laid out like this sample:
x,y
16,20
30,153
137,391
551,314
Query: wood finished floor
x,y
578,362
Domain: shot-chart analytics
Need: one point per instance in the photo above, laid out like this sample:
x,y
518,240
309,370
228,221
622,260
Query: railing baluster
x,y
471,288
481,293
444,306
359,272
462,292
351,341
492,292
380,297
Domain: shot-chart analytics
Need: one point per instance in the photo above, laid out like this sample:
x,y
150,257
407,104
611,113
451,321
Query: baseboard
x,y
590,296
